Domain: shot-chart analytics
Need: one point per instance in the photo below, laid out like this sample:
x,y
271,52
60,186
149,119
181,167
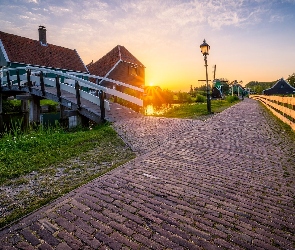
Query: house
x,y
281,87
17,51
120,65
237,89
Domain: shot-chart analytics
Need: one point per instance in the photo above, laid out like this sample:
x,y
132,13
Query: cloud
x,y
277,18
33,1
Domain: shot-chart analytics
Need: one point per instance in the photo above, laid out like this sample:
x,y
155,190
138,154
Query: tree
x,y
258,87
291,80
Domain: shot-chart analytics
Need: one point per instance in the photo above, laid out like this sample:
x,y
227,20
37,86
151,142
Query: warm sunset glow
x,y
165,36
149,110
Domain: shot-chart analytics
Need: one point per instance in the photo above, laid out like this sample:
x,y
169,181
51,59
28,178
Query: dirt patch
x,y
26,193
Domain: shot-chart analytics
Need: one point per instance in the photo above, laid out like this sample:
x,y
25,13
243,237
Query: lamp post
x,y
205,51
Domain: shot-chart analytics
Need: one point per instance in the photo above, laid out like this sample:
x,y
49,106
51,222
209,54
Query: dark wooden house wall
x,y
280,88
127,73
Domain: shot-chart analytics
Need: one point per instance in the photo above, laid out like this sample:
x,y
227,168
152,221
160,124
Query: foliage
x,y
291,80
200,98
11,106
52,105
183,97
21,153
225,88
95,152
258,87
156,96
167,95
14,106
202,88
195,110
232,99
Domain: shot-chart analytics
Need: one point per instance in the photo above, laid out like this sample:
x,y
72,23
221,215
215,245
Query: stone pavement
x,y
223,183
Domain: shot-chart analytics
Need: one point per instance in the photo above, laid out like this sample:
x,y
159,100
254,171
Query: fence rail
x,y
71,76
281,107
78,92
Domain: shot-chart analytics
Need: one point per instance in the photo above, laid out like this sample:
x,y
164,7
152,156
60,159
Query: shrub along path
x,y
225,182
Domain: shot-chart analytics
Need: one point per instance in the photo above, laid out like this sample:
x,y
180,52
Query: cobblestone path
x,y
223,183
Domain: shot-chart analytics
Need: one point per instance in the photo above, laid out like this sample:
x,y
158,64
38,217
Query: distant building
x,y
237,89
120,65
17,51
281,87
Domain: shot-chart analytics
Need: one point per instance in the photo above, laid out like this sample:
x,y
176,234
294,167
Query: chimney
x,y
42,35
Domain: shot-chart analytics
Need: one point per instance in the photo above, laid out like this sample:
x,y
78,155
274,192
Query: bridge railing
x,y
281,107
68,83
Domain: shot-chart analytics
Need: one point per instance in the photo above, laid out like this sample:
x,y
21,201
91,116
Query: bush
x,y
200,98
232,99
11,106
52,106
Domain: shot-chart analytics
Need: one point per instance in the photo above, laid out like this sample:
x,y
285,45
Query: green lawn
x,y
56,162
33,151
194,110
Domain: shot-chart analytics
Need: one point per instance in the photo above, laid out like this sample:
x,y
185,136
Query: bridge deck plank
x,y
89,109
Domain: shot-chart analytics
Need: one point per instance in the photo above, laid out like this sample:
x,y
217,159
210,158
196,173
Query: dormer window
x,y
133,71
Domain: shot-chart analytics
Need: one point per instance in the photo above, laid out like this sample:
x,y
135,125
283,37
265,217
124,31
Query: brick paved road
x,y
227,182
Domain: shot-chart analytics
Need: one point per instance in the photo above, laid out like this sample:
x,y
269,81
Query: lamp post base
x,y
208,104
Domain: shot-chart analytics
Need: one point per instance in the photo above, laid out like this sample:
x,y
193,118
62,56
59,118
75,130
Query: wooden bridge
x,y
76,92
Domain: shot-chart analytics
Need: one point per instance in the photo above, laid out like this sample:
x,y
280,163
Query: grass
x,y
35,157
192,111
22,154
14,106
283,127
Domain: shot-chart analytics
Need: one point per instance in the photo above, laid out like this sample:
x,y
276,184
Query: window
x,y
133,71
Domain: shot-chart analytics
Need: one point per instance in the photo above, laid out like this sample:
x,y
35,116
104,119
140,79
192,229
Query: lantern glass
x,y
205,48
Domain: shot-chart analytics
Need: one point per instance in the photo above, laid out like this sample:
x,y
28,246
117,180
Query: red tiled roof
x,y
24,50
108,61
126,56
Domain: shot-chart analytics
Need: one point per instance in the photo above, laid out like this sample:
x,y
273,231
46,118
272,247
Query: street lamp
x,y
205,51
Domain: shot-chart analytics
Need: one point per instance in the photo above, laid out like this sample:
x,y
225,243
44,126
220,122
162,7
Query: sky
x,y
250,40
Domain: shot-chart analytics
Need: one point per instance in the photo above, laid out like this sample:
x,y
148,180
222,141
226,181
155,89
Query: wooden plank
x,y
50,82
272,106
127,97
13,77
35,80
89,97
68,88
23,77
23,97
109,80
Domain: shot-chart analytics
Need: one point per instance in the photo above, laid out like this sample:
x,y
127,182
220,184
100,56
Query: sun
x,y
151,84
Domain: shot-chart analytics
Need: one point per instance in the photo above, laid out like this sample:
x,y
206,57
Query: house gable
x,y
126,72
119,64
32,52
281,87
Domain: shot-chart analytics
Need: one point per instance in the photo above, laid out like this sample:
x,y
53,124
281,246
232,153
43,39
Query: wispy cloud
x,y
32,1
162,30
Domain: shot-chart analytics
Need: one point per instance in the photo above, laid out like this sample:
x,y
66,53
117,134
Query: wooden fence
x,y
281,107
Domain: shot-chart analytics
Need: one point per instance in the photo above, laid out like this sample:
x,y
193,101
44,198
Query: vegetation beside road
x,y
39,166
195,110
22,153
14,106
